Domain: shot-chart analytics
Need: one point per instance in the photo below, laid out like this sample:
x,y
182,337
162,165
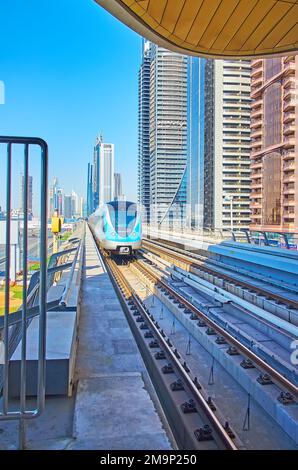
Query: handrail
x,y
15,317
216,234
26,143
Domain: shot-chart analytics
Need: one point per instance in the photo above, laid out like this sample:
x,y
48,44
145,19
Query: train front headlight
x,y
113,233
134,234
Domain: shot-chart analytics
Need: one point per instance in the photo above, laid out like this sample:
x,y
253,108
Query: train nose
x,y
124,250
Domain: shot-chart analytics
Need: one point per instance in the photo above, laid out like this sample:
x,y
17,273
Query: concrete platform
x,y
115,407
51,431
112,412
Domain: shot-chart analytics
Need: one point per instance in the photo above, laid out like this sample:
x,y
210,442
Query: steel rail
x,y
279,378
205,409
274,327
193,262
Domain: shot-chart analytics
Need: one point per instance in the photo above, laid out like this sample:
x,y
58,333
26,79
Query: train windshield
x,y
122,215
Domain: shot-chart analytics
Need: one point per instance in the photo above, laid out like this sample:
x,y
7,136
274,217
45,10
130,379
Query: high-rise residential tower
x,y
103,176
274,145
30,195
144,130
82,207
168,128
227,144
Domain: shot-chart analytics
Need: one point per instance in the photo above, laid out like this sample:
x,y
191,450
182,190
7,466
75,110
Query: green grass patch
x,y
17,292
34,267
65,236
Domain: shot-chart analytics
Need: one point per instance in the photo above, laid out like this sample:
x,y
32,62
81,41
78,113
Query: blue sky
x,y
70,71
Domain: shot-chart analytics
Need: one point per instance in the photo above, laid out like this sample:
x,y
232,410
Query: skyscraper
x,y
103,177
144,129
118,193
227,144
274,145
52,196
195,141
30,195
68,206
168,128
56,198
71,207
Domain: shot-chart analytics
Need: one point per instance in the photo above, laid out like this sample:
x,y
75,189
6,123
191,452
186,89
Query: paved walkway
x,y
113,408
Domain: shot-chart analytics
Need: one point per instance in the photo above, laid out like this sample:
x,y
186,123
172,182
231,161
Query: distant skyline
x,y
70,72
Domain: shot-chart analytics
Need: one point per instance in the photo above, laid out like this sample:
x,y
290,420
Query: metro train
x,y
117,227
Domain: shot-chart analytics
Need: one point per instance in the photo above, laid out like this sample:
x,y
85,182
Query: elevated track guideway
x,y
194,424
195,420
279,379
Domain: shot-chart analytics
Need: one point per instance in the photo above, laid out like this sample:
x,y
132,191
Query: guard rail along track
x,y
212,431
193,423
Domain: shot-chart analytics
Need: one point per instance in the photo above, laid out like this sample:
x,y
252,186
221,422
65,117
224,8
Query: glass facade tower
x,y
90,202
144,130
195,141
103,176
162,154
168,128
118,193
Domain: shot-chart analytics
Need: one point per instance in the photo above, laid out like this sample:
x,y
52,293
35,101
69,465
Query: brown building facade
x,y
274,144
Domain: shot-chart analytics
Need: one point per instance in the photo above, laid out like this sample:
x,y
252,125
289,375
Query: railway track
x,y
284,384
190,262
194,423
189,411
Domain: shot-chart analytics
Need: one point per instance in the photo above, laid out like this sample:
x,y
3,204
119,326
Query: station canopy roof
x,y
213,28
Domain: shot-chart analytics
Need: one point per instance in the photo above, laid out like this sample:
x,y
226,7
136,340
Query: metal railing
x,y
58,264
287,240
205,233
276,239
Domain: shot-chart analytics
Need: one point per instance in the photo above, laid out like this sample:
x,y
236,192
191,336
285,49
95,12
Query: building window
x,y
272,115
272,188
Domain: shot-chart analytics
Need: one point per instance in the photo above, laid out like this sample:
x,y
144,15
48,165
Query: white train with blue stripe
x,y
117,226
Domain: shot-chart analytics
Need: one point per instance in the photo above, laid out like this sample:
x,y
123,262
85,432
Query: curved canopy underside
x,y
213,28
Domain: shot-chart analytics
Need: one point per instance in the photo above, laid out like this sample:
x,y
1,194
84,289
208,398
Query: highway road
x,y
33,249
